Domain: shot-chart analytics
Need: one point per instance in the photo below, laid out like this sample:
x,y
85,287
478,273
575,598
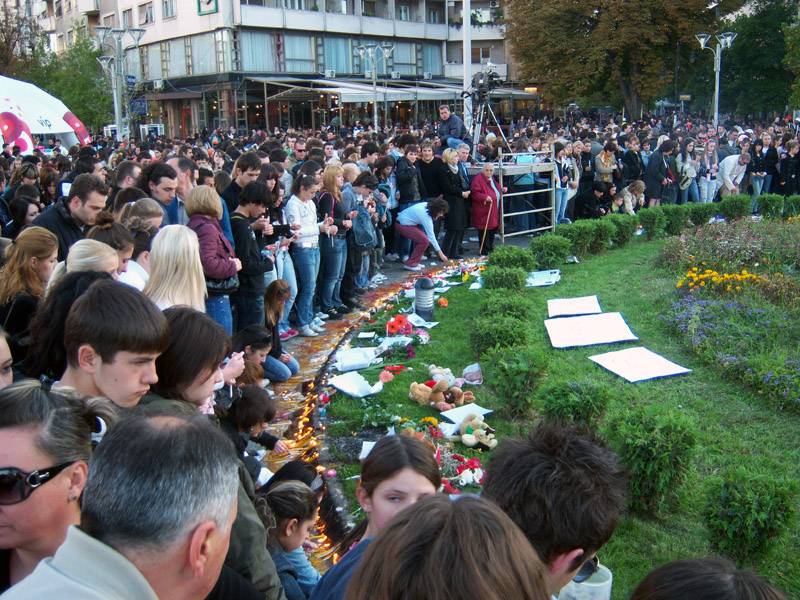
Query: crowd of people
x,y
146,293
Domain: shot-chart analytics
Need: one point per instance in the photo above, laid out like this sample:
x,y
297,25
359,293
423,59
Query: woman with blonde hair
x,y
86,255
220,265
30,262
633,197
146,209
176,273
333,250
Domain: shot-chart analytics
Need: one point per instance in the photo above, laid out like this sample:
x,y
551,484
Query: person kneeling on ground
x,y
416,224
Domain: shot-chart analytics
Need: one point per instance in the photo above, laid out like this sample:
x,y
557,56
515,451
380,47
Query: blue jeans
x,y
333,259
520,203
285,270
560,204
306,265
219,309
767,183
247,310
275,370
691,193
454,143
708,189
758,185
362,279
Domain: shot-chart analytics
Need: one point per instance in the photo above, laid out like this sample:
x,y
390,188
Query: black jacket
x,y
790,176
251,276
430,175
405,174
456,218
60,221
634,165
231,196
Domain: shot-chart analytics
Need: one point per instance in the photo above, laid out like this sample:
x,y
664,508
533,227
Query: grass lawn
x,y
734,426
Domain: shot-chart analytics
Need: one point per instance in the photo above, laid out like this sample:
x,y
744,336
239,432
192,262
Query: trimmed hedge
x,y
496,332
604,230
677,218
653,220
770,205
550,250
735,206
514,373
626,227
701,213
512,278
574,401
499,303
580,234
791,206
510,257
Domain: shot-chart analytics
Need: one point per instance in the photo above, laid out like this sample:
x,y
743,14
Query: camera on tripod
x,y
484,82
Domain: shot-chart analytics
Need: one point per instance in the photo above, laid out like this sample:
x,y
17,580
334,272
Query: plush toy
x,y
455,395
475,433
439,373
430,393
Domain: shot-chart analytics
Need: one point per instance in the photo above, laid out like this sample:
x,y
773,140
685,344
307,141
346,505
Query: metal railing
x,y
510,169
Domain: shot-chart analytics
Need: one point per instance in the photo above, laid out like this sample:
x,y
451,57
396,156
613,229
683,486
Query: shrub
x,y
677,218
656,445
791,206
701,213
735,206
653,220
511,256
626,227
745,511
580,234
508,305
496,332
514,373
770,205
576,401
550,250
512,278
603,232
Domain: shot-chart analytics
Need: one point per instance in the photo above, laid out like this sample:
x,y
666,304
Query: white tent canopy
x,y
27,111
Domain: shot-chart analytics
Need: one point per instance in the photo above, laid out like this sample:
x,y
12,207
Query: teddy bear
x,y
475,433
438,373
430,393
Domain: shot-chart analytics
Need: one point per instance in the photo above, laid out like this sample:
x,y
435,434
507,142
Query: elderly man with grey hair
x,y
156,518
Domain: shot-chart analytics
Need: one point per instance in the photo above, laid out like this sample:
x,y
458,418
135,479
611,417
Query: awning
x,y
173,96
349,91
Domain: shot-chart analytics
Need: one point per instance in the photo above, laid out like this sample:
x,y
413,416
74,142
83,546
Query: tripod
x,y
484,108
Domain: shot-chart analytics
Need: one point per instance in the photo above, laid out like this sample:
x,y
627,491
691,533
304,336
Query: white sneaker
x,y
407,268
405,257
318,328
392,257
322,315
306,331
317,321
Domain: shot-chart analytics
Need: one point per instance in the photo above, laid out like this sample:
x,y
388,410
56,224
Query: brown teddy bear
x,y
475,433
430,394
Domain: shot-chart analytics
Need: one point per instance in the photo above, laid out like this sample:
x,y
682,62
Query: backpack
x,y
362,236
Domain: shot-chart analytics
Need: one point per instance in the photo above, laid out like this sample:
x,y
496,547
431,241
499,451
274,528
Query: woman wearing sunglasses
x,y
45,443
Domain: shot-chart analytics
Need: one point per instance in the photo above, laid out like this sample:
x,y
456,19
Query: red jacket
x,y
215,249
481,188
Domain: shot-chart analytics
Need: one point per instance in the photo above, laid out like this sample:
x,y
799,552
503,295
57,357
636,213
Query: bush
x,y
603,232
507,305
745,511
770,205
511,256
549,251
735,206
580,234
701,213
626,227
512,278
791,206
576,401
656,445
514,373
677,216
653,220
496,332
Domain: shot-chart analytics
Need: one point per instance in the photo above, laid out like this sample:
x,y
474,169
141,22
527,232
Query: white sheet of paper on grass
x,y
476,285
588,330
459,413
354,384
418,321
366,335
638,364
543,278
353,359
449,429
573,307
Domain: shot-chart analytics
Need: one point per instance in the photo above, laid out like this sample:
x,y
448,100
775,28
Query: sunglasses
x,y
298,150
587,569
16,485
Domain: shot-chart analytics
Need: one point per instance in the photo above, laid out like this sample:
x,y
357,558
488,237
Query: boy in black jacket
x,y
247,304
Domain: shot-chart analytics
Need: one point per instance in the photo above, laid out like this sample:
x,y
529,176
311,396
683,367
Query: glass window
x,y
177,58
146,13
168,8
295,4
480,55
405,12
338,55
433,16
432,57
405,58
127,18
299,53
258,51
154,62
203,60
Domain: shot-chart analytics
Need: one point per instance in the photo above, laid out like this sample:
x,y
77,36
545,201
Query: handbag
x,y
222,287
685,181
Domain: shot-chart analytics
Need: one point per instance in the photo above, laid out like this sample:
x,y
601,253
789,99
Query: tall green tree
x,y
77,79
577,47
792,59
19,36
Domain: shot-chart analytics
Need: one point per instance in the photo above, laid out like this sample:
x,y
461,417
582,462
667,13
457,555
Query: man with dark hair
x,y
205,177
298,157
567,492
369,154
160,181
156,516
126,174
280,160
87,163
186,169
245,170
451,129
112,336
69,216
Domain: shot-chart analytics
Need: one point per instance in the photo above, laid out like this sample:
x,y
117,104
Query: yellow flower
x,y
680,283
738,287
729,288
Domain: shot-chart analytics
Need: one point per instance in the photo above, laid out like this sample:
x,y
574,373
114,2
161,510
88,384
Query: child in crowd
x,y
278,365
398,472
289,512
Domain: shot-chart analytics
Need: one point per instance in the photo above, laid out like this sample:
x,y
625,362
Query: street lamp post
x,y
116,70
370,52
724,40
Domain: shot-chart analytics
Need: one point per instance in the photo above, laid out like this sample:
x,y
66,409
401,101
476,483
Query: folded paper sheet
x,y
543,278
638,364
354,384
573,307
589,330
459,413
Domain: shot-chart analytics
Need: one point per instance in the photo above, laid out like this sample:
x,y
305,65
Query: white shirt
x,y
304,213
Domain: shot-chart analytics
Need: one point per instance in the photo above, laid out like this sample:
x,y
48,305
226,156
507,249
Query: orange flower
x,y
443,302
400,320
392,327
